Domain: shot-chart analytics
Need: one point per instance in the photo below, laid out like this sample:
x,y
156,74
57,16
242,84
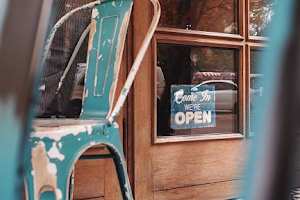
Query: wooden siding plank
x,y
185,164
222,190
89,179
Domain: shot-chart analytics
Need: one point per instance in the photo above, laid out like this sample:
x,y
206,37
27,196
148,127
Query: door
x,y
196,41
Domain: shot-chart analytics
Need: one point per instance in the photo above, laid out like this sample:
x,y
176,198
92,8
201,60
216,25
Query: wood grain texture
x,y
142,105
189,138
89,179
96,198
186,164
247,95
242,89
221,190
112,188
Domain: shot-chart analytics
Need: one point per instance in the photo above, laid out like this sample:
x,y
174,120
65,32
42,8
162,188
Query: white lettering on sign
x,y
199,117
179,118
205,96
180,94
180,97
192,107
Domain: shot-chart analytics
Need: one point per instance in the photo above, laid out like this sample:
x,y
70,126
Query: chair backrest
x,y
105,48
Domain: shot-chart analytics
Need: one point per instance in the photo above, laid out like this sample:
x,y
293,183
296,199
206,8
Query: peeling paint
x,y
125,90
58,193
109,41
60,145
89,130
44,178
126,191
54,153
92,143
118,57
103,44
86,93
95,13
91,37
79,139
95,82
56,134
121,4
41,143
113,4
100,57
51,167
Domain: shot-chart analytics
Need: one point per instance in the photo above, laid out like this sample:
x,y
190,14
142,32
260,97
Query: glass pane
x,y
184,73
67,102
256,88
261,14
202,15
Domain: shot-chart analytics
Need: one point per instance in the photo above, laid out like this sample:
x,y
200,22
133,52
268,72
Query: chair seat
x,y
65,129
56,144
52,123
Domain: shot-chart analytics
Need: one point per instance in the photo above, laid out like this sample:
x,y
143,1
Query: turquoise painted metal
x,y
55,145
55,151
264,178
104,57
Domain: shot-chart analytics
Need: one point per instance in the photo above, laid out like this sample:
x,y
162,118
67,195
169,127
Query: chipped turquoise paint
x,y
125,90
10,144
74,141
100,79
104,52
72,146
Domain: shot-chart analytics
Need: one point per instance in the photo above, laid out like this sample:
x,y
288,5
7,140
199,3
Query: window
x,y
203,15
195,51
261,14
256,89
181,69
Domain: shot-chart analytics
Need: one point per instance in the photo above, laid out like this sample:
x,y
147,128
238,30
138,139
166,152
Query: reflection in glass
x,y
261,14
198,66
202,15
256,88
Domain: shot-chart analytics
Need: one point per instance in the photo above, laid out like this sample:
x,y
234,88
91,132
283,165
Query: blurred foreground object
x,y
272,164
23,27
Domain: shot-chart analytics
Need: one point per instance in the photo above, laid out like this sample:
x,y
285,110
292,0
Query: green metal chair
x,y
55,145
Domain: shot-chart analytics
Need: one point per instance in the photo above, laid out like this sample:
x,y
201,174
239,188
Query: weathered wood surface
x,y
212,191
89,179
142,104
195,163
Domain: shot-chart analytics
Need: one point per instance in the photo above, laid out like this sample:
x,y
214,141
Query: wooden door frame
x,y
140,106
140,111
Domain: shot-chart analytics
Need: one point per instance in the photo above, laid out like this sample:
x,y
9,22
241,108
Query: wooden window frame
x,y
243,42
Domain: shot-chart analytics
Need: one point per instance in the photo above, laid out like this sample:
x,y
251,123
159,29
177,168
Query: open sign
x,y
192,109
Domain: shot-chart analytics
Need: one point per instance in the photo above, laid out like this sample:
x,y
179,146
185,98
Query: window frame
x,y
243,42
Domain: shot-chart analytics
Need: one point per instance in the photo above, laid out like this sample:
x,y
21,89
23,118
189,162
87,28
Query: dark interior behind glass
x,y
192,65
